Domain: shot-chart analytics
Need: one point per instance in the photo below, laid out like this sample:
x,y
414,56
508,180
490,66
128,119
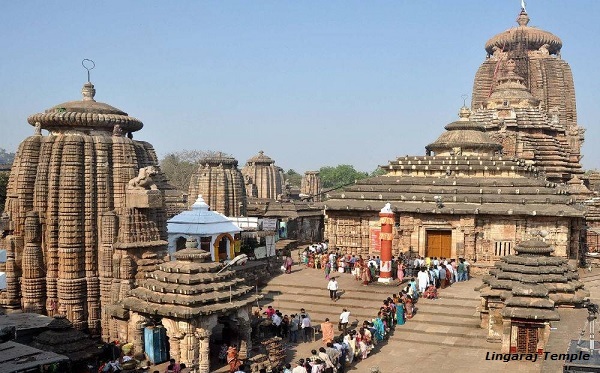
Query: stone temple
x,y
506,170
84,214
525,97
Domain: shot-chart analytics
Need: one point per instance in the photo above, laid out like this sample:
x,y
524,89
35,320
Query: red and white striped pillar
x,y
386,219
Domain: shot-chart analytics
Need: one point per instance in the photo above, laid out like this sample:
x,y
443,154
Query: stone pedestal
x,y
144,199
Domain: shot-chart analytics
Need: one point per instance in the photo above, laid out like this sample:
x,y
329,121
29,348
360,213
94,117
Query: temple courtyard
x,y
443,333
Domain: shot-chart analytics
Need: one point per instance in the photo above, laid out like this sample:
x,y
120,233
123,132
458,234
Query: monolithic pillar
x,y
386,218
204,350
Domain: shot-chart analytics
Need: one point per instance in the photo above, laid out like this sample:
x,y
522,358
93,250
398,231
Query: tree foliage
x,y
3,185
293,178
6,157
340,175
178,167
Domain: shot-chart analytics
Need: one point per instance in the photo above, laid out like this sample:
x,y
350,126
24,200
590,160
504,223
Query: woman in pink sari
x,y
400,273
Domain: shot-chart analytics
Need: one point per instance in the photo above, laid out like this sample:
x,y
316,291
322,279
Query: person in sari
x,y
232,359
400,313
327,270
327,330
408,305
288,264
400,273
324,260
363,343
379,327
365,273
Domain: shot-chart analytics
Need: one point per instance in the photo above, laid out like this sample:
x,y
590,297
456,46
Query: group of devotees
x,y
356,341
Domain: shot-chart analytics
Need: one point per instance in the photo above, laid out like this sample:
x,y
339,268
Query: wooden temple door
x,y
439,244
527,339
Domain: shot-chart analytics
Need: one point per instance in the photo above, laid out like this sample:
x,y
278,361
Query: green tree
x,y
293,178
3,185
340,175
6,157
378,172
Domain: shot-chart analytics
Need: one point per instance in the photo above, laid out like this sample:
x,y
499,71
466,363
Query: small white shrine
x,y
214,232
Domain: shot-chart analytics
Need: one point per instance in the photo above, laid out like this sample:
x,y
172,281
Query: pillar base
x,y
384,280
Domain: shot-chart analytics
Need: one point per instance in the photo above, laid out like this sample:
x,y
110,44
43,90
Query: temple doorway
x,y
223,335
439,244
223,248
527,339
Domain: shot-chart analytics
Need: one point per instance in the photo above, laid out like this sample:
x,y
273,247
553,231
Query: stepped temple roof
x,y
534,37
522,279
62,338
464,136
189,287
87,113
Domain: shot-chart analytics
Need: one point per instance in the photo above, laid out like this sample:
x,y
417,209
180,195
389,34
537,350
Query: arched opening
x,y
223,247
180,243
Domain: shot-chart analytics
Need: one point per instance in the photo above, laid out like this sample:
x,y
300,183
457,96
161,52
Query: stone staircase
x,y
450,321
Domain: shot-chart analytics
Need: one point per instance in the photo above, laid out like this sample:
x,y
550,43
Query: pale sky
x,y
312,83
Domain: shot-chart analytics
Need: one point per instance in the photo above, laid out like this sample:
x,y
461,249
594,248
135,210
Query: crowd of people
x,y
367,269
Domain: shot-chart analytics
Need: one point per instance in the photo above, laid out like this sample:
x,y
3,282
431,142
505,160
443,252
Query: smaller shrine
x,y
213,231
63,339
193,299
519,298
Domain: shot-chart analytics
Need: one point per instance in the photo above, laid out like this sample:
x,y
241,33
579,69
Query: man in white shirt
x,y
277,323
344,319
305,328
299,367
332,286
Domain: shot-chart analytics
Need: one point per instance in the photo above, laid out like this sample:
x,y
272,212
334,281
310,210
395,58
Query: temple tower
x,y
532,55
221,184
311,186
263,179
89,199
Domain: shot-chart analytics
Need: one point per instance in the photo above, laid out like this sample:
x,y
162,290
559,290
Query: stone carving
x,y
117,131
68,216
143,180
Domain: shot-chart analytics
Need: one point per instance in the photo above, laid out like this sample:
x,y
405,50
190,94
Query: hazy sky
x,y
312,83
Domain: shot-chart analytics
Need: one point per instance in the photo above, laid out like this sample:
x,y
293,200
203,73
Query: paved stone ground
x,y
444,334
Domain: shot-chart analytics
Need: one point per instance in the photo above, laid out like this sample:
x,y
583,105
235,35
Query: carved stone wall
x,y
311,185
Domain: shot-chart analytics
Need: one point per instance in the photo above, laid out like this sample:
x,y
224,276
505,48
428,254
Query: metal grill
x,y
527,339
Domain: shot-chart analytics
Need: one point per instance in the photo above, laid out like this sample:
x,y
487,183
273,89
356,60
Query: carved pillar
x,y
136,331
175,336
188,347
203,350
386,219
245,330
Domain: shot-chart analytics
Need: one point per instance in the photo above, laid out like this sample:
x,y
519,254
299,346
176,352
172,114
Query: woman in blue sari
x,y
400,313
379,328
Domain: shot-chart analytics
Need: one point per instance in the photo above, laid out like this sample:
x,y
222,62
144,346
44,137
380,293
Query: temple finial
x,y
88,66
523,4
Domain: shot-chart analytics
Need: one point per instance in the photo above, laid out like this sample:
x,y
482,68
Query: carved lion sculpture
x,y
144,179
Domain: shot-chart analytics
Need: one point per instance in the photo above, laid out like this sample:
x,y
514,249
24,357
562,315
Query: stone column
x,y
203,350
386,218
188,346
245,331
